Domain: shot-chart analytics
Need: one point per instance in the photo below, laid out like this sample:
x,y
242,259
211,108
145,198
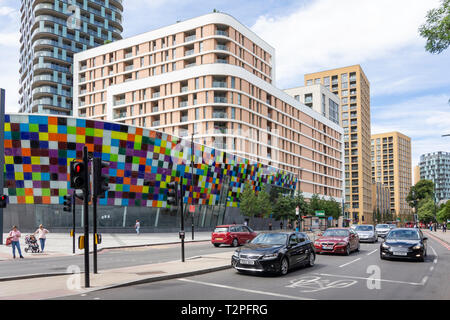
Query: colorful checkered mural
x,y
39,148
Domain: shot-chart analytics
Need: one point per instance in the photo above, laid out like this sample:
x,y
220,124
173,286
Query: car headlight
x,y
317,243
270,256
417,246
385,246
341,244
236,254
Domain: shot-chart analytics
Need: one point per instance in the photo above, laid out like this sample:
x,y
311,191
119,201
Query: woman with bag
x,y
14,236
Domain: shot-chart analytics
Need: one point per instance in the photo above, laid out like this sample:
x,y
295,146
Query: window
x,y
309,82
326,81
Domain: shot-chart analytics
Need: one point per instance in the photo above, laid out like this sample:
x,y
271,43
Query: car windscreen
x,y
382,226
364,228
270,238
221,229
336,233
403,235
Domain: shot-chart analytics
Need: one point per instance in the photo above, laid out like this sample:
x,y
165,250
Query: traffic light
x,y
100,179
77,175
67,203
3,201
172,194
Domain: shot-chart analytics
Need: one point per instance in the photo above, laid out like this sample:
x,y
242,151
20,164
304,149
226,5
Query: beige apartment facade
x,y
391,165
211,78
381,202
351,85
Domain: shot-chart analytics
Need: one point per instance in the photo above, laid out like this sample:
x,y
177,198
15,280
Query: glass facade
x,y
51,32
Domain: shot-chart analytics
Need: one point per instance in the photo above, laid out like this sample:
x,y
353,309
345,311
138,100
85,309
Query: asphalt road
x,y
109,259
360,276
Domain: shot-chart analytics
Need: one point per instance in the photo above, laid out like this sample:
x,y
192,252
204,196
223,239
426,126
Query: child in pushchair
x,y
33,246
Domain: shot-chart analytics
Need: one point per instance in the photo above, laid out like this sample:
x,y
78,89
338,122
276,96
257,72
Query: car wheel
x,y
284,267
381,256
347,250
235,242
216,244
311,259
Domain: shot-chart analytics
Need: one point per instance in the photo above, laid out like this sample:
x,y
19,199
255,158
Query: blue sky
x,y
410,88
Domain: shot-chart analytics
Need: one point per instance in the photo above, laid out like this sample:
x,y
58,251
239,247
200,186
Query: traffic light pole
x,y
73,220
192,182
2,154
86,217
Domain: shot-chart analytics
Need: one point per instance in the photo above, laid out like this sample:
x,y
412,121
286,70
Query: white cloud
x,y
327,33
424,119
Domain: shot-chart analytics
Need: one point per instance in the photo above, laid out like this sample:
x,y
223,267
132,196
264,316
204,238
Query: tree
x,y
284,208
248,201
426,210
436,30
315,203
444,213
302,204
263,203
421,190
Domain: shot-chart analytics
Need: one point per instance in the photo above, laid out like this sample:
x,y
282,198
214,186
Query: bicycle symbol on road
x,y
315,284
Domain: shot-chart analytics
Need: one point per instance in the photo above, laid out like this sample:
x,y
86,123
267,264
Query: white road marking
x,y
424,280
346,264
244,290
362,278
372,252
431,268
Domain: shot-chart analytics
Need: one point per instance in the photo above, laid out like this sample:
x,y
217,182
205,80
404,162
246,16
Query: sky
x,y
410,88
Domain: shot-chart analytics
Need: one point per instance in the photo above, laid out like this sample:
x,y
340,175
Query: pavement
x,y
54,286
60,244
440,236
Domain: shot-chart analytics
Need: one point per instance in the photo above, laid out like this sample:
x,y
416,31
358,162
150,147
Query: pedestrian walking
x,y
281,225
137,226
444,226
435,226
41,235
14,236
430,226
270,225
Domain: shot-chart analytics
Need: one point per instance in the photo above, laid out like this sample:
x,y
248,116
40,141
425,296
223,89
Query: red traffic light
x,y
78,167
3,198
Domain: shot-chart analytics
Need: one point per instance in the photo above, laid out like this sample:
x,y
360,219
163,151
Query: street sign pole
x,y
86,217
94,200
182,234
192,182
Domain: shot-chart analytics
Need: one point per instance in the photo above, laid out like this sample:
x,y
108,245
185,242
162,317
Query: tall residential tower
x,y
435,166
51,32
353,88
391,166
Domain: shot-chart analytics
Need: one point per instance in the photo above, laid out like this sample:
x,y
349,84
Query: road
x,y
360,276
109,258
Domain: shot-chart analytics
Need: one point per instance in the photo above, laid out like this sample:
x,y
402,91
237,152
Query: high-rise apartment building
x,y
353,88
318,98
211,77
51,32
391,165
381,201
435,166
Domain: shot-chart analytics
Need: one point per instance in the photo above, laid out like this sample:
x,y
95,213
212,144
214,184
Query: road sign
x,y
320,213
330,218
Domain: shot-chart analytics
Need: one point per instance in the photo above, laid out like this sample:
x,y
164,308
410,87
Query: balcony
x,y
183,104
221,61
189,52
155,123
219,114
190,65
222,47
221,33
219,84
184,89
184,118
220,100
189,38
155,95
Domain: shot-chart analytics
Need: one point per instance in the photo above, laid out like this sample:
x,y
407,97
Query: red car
x,y
337,240
232,235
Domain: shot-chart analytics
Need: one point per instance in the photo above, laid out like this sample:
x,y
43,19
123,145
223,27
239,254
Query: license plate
x,y
327,247
400,253
247,261
219,238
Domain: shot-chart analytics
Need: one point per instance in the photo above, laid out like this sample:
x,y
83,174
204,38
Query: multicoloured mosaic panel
x,y
39,148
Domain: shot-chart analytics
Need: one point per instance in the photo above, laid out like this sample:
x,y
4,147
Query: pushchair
x,y
33,246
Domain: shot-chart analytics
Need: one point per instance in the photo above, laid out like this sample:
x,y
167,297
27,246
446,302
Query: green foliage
x,y
247,201
436,30
263,203
284,208
426,210
444,213
420,191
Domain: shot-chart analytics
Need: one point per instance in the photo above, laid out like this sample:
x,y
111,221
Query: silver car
x,y
366,232
383,229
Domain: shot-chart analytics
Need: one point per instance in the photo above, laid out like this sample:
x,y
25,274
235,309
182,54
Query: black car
x,y
404,243
274,252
